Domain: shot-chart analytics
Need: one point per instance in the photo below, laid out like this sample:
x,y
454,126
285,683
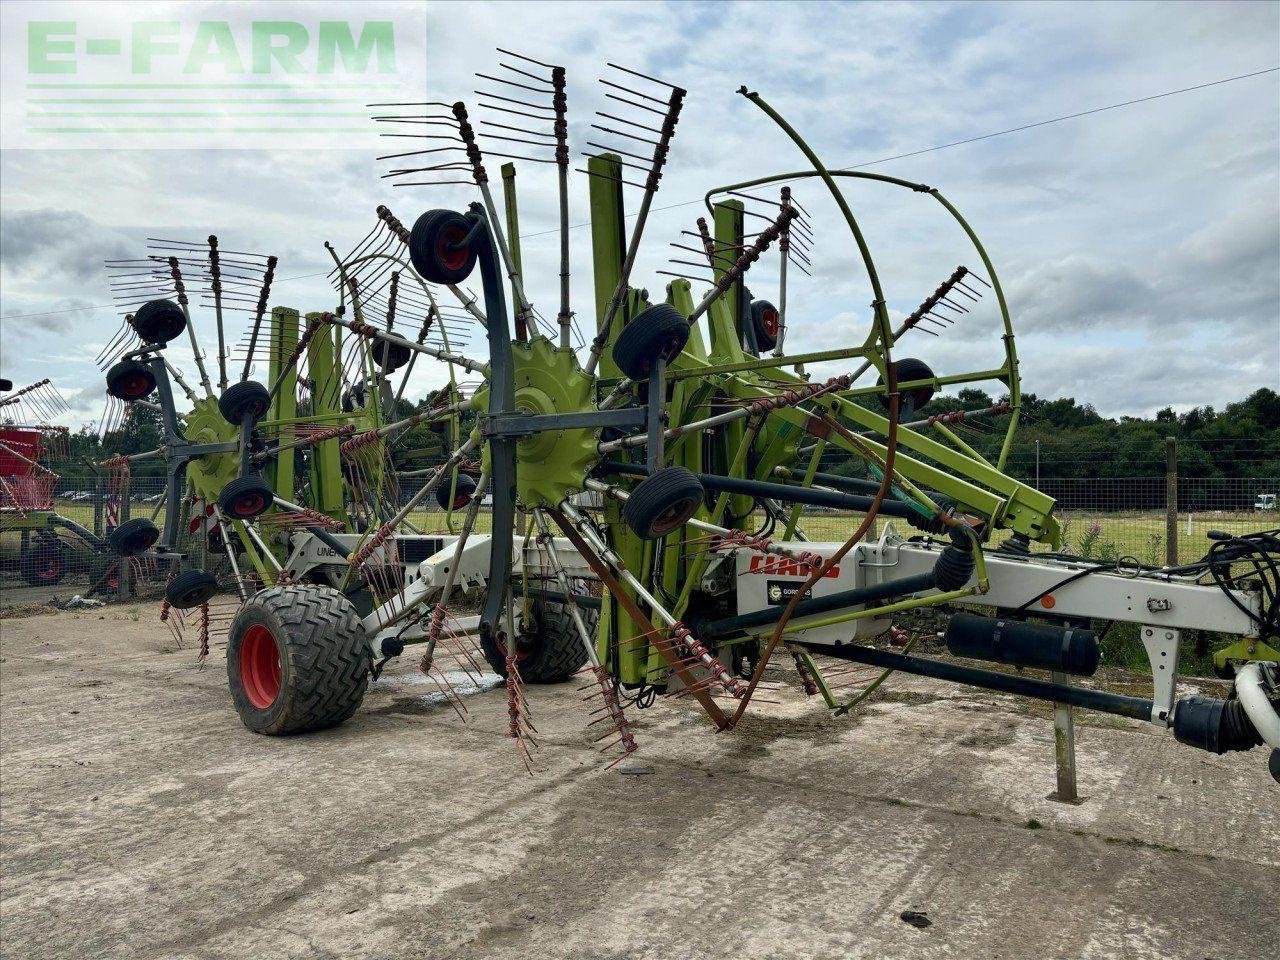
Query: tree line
x,y
1075,441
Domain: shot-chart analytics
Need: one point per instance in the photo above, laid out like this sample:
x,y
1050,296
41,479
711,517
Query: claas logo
x,y
783,567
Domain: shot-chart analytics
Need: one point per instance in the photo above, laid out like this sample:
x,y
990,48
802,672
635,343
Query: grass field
x,y
1135,534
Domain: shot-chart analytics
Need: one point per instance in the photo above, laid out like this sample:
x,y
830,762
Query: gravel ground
x,y
140,819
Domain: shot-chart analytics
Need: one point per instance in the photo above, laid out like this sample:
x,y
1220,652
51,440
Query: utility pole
x,y
1171,501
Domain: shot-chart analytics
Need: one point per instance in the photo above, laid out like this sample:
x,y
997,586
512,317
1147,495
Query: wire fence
x,y
1105,518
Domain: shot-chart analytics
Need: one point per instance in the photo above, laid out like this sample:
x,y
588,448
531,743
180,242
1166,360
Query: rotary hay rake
x,y
648,501
50,546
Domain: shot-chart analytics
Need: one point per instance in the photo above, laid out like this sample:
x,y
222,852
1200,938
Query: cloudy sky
x,y
1140,246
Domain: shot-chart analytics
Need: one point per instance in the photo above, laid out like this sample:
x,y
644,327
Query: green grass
x,y
1137,534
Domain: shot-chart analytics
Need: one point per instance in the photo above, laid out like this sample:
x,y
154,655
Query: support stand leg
x,y
1064,741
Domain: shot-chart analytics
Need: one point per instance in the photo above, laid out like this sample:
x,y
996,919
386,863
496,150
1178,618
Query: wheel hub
x,y
260,666
550,464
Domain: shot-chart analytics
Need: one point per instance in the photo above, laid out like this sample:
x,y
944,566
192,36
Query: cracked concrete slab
x,y
141,820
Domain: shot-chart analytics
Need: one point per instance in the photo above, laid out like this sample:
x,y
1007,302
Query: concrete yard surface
x,y
141,820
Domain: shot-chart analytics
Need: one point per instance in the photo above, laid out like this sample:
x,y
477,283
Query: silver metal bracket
x,y
1162,644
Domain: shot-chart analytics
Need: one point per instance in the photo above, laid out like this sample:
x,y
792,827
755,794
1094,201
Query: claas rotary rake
x,y
632,508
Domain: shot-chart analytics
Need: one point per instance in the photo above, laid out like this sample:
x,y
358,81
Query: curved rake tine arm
x,y
788,398
749,256
263,549
921,312
225,529
177,378
373,333
784,248
546,543
426,416
731,537
469,304
259,310
373,542
523,311
680,639
433,314
621,725
468,524
181,291
400,232
1011,354
134,457
604,564
560,102
660,152
215,284
290,365
888,477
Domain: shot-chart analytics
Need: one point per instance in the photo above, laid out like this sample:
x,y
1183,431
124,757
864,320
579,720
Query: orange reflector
x,y
1048,602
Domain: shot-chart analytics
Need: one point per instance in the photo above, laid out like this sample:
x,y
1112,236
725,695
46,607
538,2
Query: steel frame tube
x,y
1122,705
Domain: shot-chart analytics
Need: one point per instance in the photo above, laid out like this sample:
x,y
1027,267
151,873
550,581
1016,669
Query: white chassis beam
x,y
1162,604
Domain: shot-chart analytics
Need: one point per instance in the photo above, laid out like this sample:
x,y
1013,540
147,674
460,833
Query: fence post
x,y
97,506
1171,501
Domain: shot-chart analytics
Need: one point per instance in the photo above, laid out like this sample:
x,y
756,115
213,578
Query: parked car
x,y
1266,501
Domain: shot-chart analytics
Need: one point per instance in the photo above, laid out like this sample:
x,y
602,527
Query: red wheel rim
x,y
141,542
134,386
260,666
48,567
769,320
449,249
522,651
674,516
249,505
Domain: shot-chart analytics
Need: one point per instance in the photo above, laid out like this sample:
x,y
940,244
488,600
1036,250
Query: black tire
x,y
244,400
43,564
190,588
466,487
660,331
297,660
133,537
436,246
662,503
764,321
246,497
390,357
130,380
552,651
159,321
908,369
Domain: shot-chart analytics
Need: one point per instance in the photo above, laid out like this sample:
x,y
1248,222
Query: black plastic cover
x,y
1043,646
